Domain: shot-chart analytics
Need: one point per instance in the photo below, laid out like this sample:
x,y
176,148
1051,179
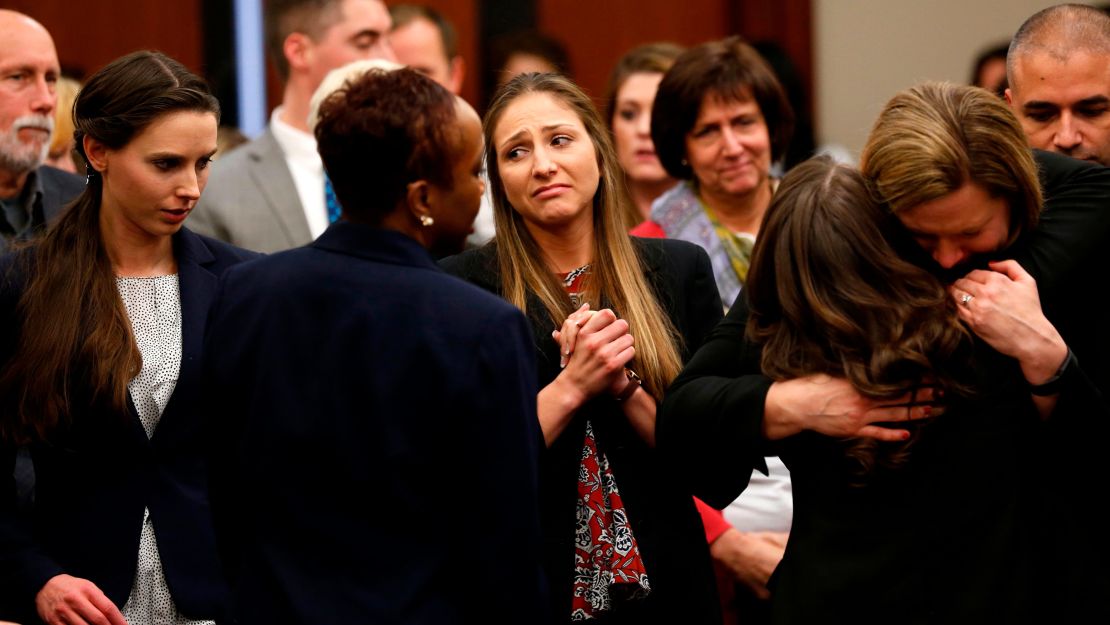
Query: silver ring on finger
x,y
966,299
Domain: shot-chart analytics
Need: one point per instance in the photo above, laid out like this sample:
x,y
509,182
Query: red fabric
x,y
713,520
648,229
607,562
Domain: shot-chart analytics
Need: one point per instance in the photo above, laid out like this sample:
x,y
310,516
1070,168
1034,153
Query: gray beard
x,y
18,157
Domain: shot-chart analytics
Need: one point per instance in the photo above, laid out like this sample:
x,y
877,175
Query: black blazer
x,y
94,479
958,533
660,508
378,434
59,188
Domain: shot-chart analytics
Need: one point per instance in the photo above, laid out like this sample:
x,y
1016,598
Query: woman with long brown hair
x,y
102,325
622,538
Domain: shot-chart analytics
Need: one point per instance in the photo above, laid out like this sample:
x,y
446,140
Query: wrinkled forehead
x,y
26,44
533,111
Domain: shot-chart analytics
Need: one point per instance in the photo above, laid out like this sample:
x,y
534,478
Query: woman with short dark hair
x,y
719,121
406,396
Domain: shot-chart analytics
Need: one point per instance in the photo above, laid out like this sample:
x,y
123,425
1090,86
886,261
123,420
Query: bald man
x,y
31,194
1059,73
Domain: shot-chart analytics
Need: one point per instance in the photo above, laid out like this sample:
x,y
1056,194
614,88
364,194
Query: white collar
x,y
296,144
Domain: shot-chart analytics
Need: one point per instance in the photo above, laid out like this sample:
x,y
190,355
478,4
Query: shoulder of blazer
x,y
59,188
478,266
209,252
664,254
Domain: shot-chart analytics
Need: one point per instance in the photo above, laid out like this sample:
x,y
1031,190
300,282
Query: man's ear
x,y
1009,97
297,49
456,73
96,153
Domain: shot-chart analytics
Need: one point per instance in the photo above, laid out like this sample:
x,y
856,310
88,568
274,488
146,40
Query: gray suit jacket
x,y
251,200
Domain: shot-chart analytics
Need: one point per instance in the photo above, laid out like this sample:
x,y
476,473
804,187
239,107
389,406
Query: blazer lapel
x,y
271,175
198,288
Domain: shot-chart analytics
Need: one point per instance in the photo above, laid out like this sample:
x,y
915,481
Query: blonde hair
x,y
66,89
340,77
933,138
617,277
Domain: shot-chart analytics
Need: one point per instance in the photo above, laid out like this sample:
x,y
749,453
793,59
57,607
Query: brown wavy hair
x,y
618,275
828,294
75,349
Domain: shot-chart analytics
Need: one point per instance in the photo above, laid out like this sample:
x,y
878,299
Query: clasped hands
x,y
1002,307
595,347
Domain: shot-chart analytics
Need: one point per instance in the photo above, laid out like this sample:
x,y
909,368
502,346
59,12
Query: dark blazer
x,y
59,188
660,508
955,535
94,478
378,439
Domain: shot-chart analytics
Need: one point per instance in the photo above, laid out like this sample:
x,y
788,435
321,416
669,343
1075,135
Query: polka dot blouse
x,y
154,308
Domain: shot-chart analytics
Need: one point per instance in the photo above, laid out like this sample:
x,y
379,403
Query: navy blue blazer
x,y
379,439
94,478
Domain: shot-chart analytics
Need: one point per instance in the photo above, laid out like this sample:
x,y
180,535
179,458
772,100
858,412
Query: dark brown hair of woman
x,y
378,134
729,69
829,295
75,345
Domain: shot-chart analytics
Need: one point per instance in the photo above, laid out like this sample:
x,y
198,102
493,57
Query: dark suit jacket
x,y
956,535
94,478
379,439
661,511
59,188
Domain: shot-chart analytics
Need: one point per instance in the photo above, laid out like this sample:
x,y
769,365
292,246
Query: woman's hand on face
x,y
567,335
603,347
68,600
1003,307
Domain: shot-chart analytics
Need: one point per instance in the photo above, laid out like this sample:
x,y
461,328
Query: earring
x,y
684,163
426,220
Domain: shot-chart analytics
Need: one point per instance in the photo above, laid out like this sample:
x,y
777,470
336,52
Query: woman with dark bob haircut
x,y
100,353
614,318
720,120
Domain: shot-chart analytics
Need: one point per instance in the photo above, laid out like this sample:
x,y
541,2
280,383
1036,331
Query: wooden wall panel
x,y
89,35
786,22
598,33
